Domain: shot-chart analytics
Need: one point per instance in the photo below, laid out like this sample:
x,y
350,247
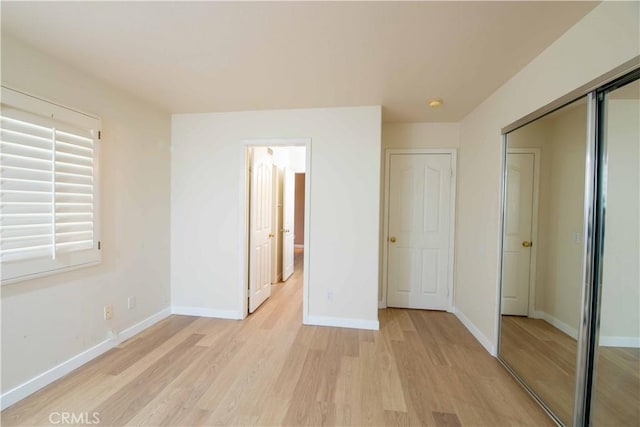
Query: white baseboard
x,y
29,387
341,322
569,330
206,312
613,341
479,336
382,304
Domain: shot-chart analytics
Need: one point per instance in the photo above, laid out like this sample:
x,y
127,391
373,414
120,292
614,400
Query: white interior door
x,y
260,236
288,212
275,217
517,237
419,231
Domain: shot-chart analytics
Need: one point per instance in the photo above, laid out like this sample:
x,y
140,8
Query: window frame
x,y
22,270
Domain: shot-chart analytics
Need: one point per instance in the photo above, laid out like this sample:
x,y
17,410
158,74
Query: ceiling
x,y
234,56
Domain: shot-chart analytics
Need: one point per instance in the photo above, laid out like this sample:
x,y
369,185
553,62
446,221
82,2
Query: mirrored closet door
x,y
616,383
570,277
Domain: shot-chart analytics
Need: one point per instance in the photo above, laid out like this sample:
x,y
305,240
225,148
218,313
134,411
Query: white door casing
x,y
260,236
518,233
244,229
288,221
419,230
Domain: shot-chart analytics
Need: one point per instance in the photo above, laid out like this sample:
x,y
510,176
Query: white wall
x,y
49,320
605,38
207,159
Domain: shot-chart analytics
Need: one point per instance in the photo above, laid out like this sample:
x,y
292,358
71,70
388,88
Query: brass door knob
x,y
271,235
392,239
527,244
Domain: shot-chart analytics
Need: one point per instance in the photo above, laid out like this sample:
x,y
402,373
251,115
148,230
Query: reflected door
x,y
419,231
517,237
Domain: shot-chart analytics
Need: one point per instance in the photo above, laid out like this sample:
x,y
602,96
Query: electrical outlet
x,y
131,303
108,312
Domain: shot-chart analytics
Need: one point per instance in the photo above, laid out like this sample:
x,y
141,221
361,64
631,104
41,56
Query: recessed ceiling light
x,y
435,103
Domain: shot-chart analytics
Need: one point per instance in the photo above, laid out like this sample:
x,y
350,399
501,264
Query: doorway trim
x,y
452,215
243,232
534,226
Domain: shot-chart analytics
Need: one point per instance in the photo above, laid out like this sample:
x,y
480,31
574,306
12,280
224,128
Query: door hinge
x,y
99,134
450,173
99,245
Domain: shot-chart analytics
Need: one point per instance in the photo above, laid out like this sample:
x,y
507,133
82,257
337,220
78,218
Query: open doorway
x,y
271,259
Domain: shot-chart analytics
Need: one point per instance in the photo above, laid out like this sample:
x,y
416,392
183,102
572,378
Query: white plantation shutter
x,y
48,187
74,191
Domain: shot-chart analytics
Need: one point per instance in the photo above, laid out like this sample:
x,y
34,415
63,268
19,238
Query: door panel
x,y
419,204
518,220
260,236
430,271
288,221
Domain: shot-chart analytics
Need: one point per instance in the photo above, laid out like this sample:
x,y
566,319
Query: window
x,y
49,188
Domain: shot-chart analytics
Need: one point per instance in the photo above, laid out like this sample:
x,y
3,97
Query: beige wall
x,y
561,279
605,38
420,135
47,321
299,210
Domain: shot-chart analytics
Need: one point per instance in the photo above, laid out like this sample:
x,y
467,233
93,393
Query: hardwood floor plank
x,y
395,418
329,366
127,402
391,386
445,419
349,340
139,346
305,391
371,410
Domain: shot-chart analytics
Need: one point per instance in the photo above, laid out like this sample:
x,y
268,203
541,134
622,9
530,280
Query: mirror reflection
x,y
543,253
617,381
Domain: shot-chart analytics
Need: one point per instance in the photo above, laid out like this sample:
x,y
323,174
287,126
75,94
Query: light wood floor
x,y
421,368
545,358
